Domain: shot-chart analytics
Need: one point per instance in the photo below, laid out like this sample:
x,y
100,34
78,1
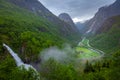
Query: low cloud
x,y
60,55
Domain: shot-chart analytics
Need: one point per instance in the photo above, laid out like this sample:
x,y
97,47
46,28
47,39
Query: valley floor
x,y
85,51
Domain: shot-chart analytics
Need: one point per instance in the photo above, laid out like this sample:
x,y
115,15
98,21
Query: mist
x,y
64,55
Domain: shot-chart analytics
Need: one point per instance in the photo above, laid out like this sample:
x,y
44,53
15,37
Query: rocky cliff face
x,y
66,18
38,9
104,13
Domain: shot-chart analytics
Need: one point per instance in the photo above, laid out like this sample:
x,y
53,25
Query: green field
x,y
84,50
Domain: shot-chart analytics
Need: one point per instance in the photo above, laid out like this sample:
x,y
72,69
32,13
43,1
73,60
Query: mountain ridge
x,y
38,9
103,13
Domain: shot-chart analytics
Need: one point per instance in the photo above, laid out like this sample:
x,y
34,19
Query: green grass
x,y
84,50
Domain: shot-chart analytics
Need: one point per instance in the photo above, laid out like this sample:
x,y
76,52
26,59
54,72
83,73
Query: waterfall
x,y
20,63
14,55
17,59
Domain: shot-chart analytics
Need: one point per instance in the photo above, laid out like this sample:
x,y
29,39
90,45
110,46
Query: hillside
x,y
108,24
103,14
29,33
37,8
108,37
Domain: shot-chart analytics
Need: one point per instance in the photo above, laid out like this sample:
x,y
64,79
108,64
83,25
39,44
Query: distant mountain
x,y
66,18
104,13
80,26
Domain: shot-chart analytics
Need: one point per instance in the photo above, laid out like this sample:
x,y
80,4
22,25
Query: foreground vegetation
x,y
105,69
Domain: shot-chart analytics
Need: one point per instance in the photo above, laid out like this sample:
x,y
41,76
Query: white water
x,y
14,55
18,61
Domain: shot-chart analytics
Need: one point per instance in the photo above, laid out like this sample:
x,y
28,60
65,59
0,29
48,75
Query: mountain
x,y
28,27
66,18
103,13
80,26
38,9
107,38
108,24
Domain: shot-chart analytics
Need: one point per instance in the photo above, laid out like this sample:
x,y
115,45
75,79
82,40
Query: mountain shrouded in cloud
x,y
78,9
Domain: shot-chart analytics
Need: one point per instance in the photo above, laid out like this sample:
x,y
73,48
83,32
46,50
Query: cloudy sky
x,y
79,10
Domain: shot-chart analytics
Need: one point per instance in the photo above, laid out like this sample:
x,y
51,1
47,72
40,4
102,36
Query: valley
x,y
85,51
37,44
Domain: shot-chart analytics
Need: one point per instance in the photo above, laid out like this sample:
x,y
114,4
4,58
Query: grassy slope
x,y
108,41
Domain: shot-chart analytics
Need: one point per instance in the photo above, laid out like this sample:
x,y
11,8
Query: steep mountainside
x,y
104,13
108,37
108,24
66,18
27,32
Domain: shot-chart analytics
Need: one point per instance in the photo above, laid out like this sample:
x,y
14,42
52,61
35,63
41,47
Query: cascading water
x,y
19,62
14,55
